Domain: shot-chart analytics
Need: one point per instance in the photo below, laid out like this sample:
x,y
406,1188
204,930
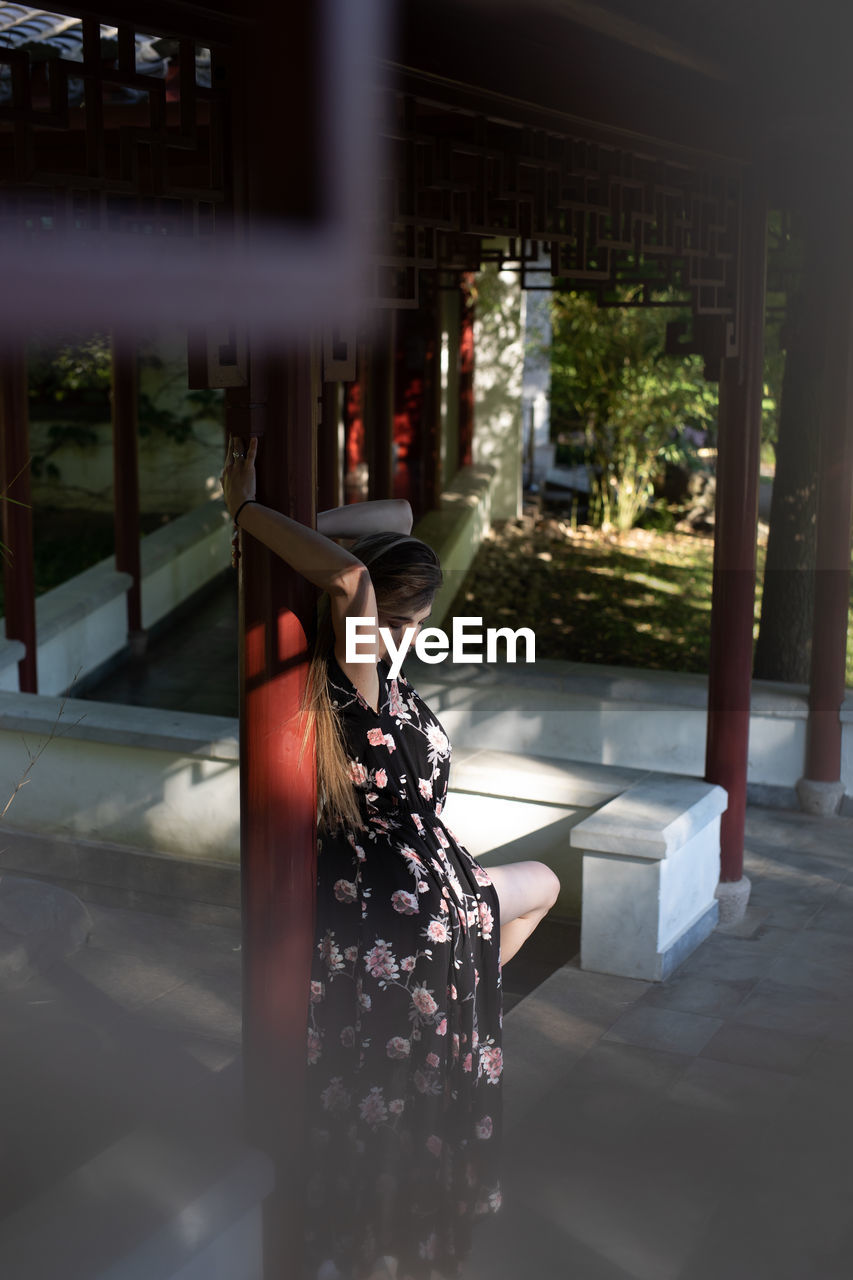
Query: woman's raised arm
x,y
384,515
309,552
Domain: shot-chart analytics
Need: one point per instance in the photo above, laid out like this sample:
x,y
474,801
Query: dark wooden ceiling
x,y
767,80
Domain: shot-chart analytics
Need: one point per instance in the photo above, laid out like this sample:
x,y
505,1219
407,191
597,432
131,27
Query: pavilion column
x,y
466,372
279,150
277,796
733,598
429,440
820,789
378,408
18,573
125,398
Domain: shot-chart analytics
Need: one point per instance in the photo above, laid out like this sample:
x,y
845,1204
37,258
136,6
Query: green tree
x,y
611,379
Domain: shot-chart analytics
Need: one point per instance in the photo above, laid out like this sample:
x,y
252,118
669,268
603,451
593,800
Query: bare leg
x,y
526,891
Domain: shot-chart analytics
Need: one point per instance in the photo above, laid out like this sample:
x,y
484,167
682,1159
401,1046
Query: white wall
x,y
168,782
163,781
536,378
618,716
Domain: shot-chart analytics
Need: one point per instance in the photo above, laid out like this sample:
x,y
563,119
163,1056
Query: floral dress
x,y
404,1028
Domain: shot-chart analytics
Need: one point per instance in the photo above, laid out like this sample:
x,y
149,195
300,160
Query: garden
x,y
621,575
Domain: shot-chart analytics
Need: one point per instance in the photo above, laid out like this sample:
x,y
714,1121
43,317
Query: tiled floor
x,y
703,1127
691,1130
142,1022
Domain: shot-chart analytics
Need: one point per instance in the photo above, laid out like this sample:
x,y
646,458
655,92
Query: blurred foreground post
x,y
18,574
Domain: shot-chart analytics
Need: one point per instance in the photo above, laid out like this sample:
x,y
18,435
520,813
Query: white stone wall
x,y
498,370
617,716
536,378
163,781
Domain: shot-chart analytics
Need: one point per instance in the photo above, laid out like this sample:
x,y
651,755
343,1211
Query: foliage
x,y
74,380
75,375
633,406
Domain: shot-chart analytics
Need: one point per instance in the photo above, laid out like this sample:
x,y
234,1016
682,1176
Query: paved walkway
x,y
191,665
695,1129
699,1129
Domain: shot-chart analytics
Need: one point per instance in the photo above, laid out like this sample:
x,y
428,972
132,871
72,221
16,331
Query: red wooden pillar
x,y
466,370
736,521
18,575
277,798
821,789
125,397
430,450
278,148
429,430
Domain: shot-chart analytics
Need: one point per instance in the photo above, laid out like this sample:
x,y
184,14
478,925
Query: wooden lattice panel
x,y
613,215
123,135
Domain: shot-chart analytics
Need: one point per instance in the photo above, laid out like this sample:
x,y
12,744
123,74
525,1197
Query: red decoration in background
x,y
355,450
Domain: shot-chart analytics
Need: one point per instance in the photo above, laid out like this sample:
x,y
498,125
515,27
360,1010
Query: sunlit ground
x,y
637,599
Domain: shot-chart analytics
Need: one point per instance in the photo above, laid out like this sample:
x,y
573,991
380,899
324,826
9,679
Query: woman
x,y
404,1029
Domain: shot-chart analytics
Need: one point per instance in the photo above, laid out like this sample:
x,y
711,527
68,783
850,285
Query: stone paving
x,y
701,1128
698,1128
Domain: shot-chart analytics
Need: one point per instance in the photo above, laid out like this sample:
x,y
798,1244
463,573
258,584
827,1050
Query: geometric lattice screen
x,y
609,214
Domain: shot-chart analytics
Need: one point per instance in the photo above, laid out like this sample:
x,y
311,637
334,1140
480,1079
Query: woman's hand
x,y
238,477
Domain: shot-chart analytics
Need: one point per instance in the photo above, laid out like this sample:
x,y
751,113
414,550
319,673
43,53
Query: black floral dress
x,y
404,1029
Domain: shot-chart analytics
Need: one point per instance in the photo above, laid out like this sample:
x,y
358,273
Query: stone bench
x,y
637,852
651,865
509,807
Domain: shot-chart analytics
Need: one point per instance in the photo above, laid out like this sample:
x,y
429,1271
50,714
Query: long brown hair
x,y
406,574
